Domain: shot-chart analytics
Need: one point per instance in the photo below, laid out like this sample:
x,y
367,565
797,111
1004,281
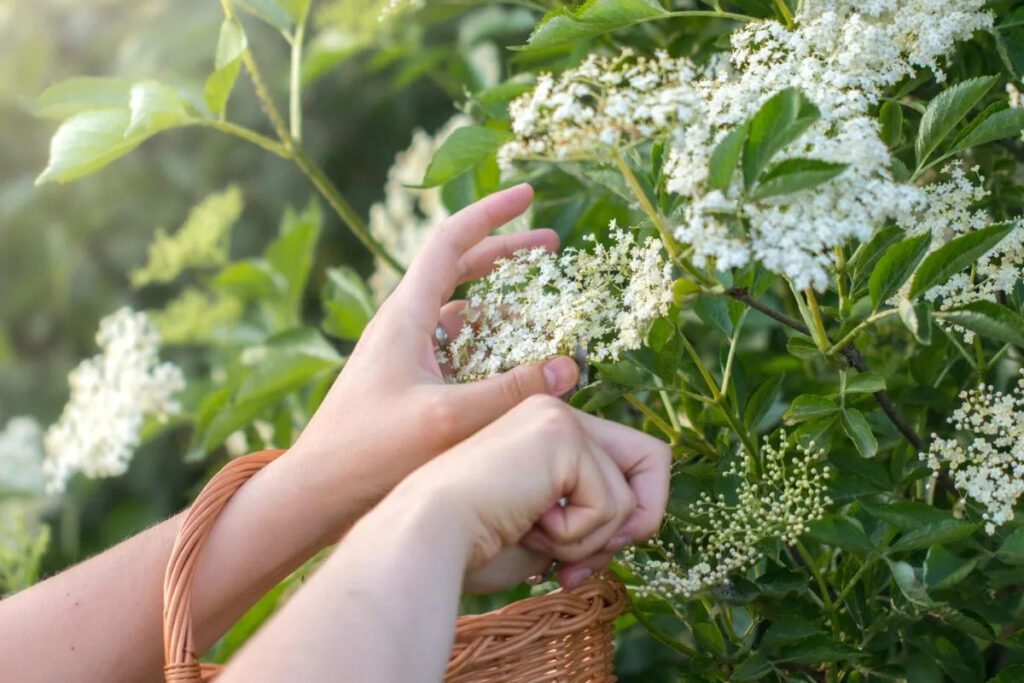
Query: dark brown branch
x,y
850,353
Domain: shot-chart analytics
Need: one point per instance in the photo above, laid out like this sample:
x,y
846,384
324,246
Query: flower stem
x,y
295,77
819,323
272,146
645,203
851,336
822,586
655,419
708,379
787,15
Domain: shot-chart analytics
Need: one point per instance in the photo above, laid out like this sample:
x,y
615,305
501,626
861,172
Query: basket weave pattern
x,y
563,637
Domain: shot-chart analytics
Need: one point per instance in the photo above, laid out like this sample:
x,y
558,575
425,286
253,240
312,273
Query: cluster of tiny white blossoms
x,y
21,456
536,305
949,211
989,469
111,395
779,503
604,103
840,54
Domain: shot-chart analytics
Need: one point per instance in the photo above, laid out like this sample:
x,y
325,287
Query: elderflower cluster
x,y
841,54
201,242
949,212
111,395
536,305
21,456
196,316
778,503
401,222
989,469
604,103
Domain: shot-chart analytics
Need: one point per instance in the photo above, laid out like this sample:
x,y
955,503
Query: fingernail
x,y
561,374
619,543
575,577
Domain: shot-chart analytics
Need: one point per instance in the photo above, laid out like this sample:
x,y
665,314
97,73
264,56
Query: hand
x,y
391,410
503,485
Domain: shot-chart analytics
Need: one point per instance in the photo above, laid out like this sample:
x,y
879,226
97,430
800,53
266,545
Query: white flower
x,y
536,305
779,503
21,456
111,394
988,464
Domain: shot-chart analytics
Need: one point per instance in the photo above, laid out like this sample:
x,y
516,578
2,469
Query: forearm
x,y
381,608
101,620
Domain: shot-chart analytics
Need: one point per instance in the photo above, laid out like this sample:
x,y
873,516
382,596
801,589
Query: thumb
x,y
480,403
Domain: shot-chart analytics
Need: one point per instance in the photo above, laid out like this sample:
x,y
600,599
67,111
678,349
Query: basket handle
x,y
181,661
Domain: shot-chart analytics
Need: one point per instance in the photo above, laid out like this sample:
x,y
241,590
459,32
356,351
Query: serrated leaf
x,y
809,406
1012,549
231,43
818,649
793,175
865,383
626,373
840,531
753,668
906,515
348,303
87,142
1005,123
462,150
988,319
79,94
955,256
945,111
935,533
291,254
857,428
891,118
779,121
802,347
863,262
943,569
761,400
714,312
910,584
591,19
154,107
917,318
894,267
725,157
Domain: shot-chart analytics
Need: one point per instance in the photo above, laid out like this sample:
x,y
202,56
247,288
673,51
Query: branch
x,y
849,352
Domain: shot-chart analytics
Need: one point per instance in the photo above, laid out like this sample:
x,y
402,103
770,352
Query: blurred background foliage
x,y
67,251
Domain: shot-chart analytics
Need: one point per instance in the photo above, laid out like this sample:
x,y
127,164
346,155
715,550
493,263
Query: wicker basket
x,y
564,637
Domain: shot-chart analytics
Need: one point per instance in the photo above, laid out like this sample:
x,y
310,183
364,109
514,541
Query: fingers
x,y
480,403
512,565
573,574
479,260
435,271
646,463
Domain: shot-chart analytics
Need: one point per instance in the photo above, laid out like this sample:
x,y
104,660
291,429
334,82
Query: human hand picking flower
x,y
383,606
388,413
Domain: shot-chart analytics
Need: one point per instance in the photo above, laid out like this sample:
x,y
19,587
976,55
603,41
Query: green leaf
x,y
291,254
154,107
859,431
863,261
840,531
910,584
231,44
1011,674
592,18
714,312
83,93
753,668
1005,123
891,118
943,569
793,175
348,302
988,319
87,142
709,638
725,157
818,649
906,515
780,121
936,533
626,373
946,110
462,150
809,406
866,383
955,256
895,266
251,280
761,401
917,318
802,347
269,11
1012,549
